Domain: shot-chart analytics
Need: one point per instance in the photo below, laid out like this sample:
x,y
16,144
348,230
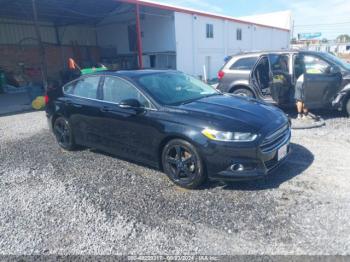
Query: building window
x,y
210,31
239,34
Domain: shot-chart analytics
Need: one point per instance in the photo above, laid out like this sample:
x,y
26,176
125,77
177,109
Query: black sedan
x,y
171,121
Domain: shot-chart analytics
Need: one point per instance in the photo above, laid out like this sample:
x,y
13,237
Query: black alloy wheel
x,y
63,134
182,163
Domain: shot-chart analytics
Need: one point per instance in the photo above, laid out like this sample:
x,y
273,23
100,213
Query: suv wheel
x,y
243,92
182,164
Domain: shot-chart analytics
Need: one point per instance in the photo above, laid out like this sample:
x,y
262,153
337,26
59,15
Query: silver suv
x,y
271,76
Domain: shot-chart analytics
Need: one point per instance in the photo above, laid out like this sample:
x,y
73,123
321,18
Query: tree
x,y
343,38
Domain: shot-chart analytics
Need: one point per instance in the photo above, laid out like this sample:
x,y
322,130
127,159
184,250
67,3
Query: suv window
x,y
246,63
85,87
315,65
279,63
116,90
309,64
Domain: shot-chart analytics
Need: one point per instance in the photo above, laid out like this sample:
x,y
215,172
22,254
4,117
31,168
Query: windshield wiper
x,y
197,98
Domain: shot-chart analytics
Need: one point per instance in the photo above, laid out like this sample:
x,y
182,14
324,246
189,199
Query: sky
x,y
330,17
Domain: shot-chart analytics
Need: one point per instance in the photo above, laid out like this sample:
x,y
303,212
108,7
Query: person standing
x,y
300,98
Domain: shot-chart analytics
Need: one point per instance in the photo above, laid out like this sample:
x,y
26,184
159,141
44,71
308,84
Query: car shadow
x,y
298,161
323,113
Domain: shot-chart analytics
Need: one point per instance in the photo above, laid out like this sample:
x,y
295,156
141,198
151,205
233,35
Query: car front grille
x,y
276,139
271,163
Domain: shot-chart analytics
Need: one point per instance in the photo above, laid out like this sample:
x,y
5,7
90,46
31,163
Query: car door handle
x,y
70,103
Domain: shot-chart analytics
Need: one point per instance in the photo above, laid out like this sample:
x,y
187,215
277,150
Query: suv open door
x,y
280,84
322,81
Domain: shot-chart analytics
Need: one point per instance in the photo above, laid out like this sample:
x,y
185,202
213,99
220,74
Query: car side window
x,y
244,63
69,88
315,65
279,63
87,87
116,90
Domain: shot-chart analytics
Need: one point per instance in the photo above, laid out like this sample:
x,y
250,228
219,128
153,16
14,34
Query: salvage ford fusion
x,y
171,121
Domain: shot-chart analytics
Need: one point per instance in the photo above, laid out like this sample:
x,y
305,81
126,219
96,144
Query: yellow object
x,y
313,71
38,103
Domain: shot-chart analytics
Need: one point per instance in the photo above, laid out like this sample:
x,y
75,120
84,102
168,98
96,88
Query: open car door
x,y
260,76
321,82
280,85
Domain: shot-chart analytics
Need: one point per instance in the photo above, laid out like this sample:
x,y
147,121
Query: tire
x,y
182,164
243,92
347,106
63,134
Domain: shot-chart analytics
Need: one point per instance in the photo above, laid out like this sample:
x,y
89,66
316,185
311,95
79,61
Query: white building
x,y
192,39
119,33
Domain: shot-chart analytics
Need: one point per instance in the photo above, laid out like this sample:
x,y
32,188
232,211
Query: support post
x,y
138,35
41,45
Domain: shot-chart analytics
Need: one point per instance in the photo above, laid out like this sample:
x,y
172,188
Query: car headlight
x,y
228,136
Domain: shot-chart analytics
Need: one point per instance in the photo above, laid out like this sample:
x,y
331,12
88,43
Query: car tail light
x,y
46,98
221,74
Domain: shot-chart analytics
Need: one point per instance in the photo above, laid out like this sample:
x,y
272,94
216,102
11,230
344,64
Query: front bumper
x,y
256,162
261,170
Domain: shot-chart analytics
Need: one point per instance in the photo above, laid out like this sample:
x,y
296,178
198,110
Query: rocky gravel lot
x,y
87,202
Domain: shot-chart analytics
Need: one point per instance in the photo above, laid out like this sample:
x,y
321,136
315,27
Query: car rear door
x,y
253,79
82,109
281,78
127,132
320,83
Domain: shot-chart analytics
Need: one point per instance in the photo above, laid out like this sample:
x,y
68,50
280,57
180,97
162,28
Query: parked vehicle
x,y
271,76
171,121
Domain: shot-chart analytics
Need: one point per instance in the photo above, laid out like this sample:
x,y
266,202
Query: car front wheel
x,y
63,133
182,164
243,92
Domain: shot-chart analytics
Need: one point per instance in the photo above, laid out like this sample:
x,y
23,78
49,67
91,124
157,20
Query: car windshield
x,y
174,88
337,61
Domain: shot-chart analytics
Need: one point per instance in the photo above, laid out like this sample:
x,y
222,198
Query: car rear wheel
x,y
243,92
63,133
182,164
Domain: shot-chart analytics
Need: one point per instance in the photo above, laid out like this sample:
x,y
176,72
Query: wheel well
x,y
232,89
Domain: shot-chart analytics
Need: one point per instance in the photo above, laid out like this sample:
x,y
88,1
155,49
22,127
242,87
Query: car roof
x,y
133,73
258,53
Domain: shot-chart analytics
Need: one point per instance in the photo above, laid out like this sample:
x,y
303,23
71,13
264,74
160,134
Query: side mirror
x,y
334,70
131,104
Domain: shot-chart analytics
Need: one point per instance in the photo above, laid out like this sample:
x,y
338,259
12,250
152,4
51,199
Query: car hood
x,y
236,113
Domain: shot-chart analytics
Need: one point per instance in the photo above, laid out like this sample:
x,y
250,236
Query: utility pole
x,y
40,45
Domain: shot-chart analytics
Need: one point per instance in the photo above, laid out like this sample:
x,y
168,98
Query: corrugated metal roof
x,y
23,32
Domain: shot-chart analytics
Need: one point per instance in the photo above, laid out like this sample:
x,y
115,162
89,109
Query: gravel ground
x,y
87,202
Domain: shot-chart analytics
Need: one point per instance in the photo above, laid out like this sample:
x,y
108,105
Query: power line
x,y
323,24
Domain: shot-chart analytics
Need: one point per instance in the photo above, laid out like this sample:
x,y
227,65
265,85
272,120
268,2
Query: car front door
x,y
82,109
128,132
321,83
